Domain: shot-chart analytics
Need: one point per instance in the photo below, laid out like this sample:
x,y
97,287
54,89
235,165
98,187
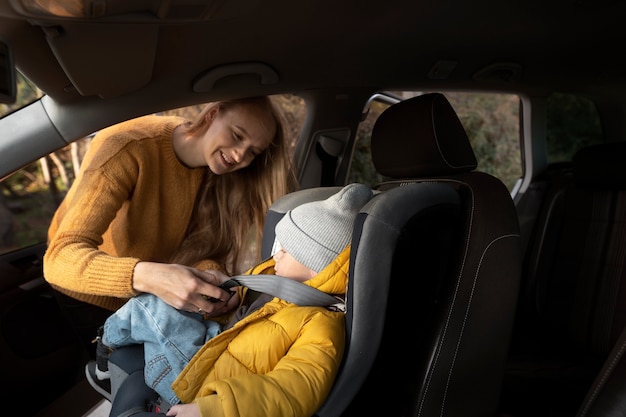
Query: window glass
x,y
490,120
26,93
29,197
572,123
492,125
361,168
26,205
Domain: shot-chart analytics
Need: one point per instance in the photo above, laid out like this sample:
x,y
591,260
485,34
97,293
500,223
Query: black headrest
x,y
421,136
601,166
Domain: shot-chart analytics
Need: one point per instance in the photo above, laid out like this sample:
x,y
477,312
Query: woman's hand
x,y
220,277
183,287
184,410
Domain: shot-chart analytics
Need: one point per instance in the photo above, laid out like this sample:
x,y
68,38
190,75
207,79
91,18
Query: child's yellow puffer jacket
x,y
280,360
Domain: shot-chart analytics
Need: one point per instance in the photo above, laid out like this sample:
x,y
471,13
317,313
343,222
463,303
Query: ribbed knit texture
x,y
315,233
132,201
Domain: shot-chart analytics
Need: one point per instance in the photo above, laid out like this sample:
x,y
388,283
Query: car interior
x,y
487,275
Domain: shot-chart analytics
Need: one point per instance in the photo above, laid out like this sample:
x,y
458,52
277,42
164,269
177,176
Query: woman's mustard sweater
x,y
131,201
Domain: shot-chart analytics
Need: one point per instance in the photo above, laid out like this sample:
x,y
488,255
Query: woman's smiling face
x,y
235,136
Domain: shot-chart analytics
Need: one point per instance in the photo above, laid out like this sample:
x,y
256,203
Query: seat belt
x,y
286,289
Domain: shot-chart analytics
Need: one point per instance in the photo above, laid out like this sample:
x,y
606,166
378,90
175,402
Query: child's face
x,y
287,266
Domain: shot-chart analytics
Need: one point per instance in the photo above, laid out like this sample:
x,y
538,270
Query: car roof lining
x,y
332,47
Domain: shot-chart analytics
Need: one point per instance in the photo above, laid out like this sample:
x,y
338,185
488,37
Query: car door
x,y
41,353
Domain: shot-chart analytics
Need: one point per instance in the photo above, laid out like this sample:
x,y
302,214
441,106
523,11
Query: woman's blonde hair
x,y
231,206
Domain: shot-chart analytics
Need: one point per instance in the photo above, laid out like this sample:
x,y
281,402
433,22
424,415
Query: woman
x,y
158,194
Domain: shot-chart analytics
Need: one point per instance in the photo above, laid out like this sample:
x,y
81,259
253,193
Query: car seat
x,y
444,334
571,309
418,223
606,395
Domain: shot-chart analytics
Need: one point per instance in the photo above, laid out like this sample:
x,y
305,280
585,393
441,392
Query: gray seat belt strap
x,y
285,289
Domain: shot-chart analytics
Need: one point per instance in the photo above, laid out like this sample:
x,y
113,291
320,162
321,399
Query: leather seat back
x,y
457,366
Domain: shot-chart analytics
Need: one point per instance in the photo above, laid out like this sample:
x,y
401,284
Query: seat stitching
x,y
469,304
603,379
458,283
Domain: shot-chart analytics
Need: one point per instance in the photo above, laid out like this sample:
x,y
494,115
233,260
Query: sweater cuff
x,y
112,276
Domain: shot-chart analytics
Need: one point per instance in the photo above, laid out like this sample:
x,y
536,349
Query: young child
x,y
270,352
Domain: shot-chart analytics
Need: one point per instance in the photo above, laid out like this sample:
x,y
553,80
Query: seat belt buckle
x,y
159,406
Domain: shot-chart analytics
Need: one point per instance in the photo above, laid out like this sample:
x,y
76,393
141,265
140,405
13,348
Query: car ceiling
x,y
240,47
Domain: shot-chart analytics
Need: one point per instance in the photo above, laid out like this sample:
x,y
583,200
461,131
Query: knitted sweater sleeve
x,y
73,263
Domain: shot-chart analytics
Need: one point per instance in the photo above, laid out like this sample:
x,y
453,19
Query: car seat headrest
x,y
421,136
601,166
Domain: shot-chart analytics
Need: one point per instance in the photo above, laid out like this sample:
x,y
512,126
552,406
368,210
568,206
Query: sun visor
x,y
106,70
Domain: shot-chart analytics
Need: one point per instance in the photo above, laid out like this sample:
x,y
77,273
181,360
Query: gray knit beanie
x,y
315,233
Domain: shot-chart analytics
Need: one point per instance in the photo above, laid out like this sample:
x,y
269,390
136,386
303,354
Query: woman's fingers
x,y
183,287
213,300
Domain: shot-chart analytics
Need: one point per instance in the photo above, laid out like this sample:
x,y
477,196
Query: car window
x,y
26,93
491,122
572,123
25,208
30,196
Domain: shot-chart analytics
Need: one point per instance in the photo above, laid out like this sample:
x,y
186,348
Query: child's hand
x,y
234,300
184,410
